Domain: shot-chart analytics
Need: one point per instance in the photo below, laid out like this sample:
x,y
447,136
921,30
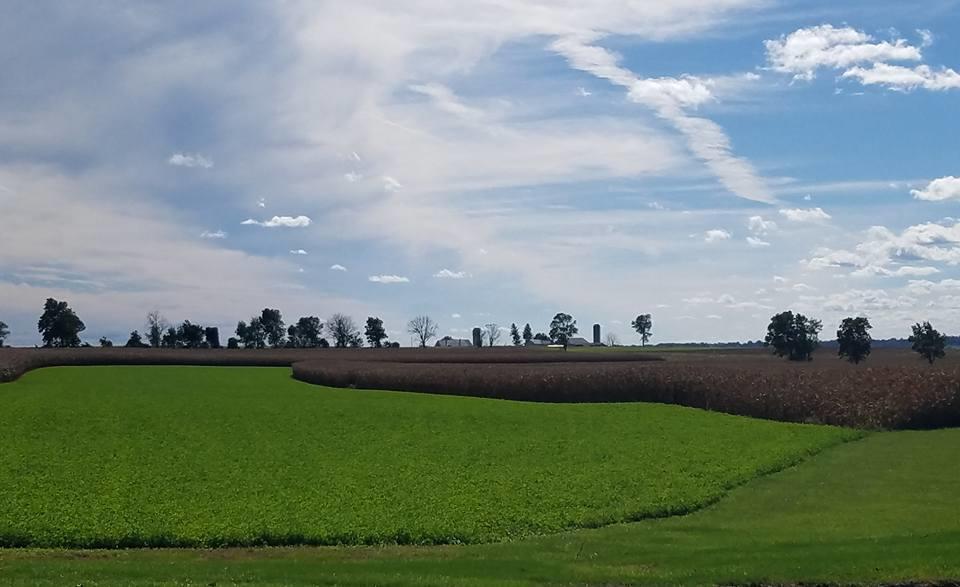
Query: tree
x,y
170,339
541,336
355,341
273,327
190,335
612,339
492,333
135,341
562,327
156,325
252,336
793,336
374,332
4,333
424,328
853,339
343,331
233,343
59,325
105,342
928,342
212,334
515,335
527,333
305,334
642,324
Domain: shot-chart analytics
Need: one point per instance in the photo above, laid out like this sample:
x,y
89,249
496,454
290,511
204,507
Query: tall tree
x,y
273,326
135,341
375,332
190,335
562,327
59,325
171,339
527,333
4,333
515,335
793,336
642,324
343,331
156,325
305,333
492,333
423,327
252,335
612,339
928,342
853,339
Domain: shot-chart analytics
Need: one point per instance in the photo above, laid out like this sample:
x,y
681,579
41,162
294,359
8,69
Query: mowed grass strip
x,y
95,457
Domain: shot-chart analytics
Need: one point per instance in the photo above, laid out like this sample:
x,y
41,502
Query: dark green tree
x,y
793,336
527,333
854,339
4,333
928,342
171,339
233,343
562,327
375,332
252,335
135,341
59,325
515,335
305,334
273,327
642,324
105,342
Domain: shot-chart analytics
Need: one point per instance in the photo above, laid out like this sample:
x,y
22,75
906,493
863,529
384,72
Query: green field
x,y
196,456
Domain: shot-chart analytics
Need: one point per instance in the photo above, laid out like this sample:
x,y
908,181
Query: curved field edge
x,y
266,460
882,511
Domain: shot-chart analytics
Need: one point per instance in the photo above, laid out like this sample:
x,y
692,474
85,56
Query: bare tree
x,y
343,331
492,333
612,339
423,327
156,326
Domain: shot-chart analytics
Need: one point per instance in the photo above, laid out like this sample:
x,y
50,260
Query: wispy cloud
x,y
281,222
337,267
297,252
214,235
190,160
448,274
805,214
388,279
716,235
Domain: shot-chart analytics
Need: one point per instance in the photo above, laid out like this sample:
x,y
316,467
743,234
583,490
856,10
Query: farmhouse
x,y
450,342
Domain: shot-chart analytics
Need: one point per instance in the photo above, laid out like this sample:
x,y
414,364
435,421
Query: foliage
x,y
189,466
527,333
273,328
928,342
233,343
106,342
541,336
793,336
642,324
853,339
306,333
59,325
374,332
156,325
343,331
562,327
135,340
4,333
423,327
171,339
190,335
252,335
491,333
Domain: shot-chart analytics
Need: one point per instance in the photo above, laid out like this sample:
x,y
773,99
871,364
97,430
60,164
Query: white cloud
x,y
938,190
262,203
802,287
337,267
215,234
190,160
716,235
388,279
352,177
297,252
281,221
757,243
391,185
583,92
448,274
760,227
455,316
805,215
898,77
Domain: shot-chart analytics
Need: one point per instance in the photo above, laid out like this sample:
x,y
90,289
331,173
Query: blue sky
x,y
710,163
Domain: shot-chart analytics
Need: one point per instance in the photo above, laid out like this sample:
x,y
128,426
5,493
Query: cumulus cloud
x,y
938,190
281,222
805,215
859,57
757,243
448,274
337,267
190,160
716,235
215,234
760,227
297,252
388,279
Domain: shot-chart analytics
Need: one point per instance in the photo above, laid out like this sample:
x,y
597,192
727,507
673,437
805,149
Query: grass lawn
x,y
879,510
196,456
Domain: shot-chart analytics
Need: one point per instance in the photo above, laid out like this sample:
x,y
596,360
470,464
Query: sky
x,y
709,162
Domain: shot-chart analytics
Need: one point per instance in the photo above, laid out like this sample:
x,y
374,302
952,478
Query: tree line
x,y
790,335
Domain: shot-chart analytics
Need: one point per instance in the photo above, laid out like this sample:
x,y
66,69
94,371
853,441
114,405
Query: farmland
x,y
193,456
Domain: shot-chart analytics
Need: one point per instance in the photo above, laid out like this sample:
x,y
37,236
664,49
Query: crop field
x,y
207,456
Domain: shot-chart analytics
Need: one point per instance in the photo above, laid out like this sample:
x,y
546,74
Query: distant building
x,y
578,341
477,338
596,334
448,342
537,342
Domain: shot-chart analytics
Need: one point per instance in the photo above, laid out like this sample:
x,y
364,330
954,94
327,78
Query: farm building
x,y
450,342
